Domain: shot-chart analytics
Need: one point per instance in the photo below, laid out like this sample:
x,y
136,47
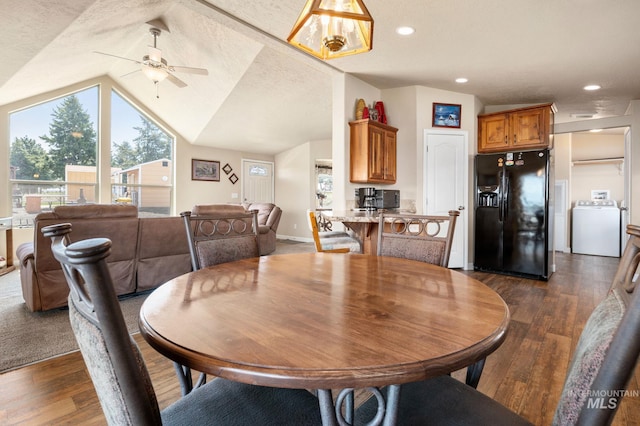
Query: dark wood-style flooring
x,y
526,373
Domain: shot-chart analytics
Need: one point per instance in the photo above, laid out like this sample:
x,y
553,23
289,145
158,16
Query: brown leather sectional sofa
x,y
146,252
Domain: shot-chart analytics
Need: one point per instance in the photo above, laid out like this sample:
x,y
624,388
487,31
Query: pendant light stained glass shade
x,y
330,29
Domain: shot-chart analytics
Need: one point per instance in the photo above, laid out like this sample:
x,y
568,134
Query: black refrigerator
x,y
513,228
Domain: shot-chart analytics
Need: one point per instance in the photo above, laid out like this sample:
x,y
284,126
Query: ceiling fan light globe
x,y
155,74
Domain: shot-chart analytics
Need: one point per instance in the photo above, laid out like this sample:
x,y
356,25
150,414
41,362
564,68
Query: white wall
x,y
188,192
293,188
562,171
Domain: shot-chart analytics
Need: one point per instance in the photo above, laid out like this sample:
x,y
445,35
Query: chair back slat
x,y
417,237
220,238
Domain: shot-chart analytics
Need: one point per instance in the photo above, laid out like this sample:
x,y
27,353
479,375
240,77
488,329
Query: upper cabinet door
x,y
530,128
492,132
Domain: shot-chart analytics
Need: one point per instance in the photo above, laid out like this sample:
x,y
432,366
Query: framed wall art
x,y
227,169
600,194
205,170
233,178
446,115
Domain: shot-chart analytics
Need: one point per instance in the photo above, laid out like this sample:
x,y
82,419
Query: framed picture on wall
x,y
446,115
205,170
600,194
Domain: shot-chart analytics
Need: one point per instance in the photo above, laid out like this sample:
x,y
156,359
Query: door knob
x,y
460,207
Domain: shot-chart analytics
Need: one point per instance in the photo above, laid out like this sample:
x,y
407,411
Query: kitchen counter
x,y
364,224
351,216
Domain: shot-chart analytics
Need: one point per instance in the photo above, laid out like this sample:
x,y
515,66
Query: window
x,y
53,154
141,154
258,170
324,184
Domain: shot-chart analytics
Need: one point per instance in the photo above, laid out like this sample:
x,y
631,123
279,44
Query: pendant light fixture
x,y
330,29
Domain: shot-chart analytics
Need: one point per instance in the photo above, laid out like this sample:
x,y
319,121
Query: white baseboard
x,y
291,237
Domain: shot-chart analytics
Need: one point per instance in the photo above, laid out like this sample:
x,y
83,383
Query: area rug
x,y
27,337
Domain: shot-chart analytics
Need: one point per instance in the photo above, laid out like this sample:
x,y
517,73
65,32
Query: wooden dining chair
x,y
603,362
117,368
426,239
331,241
216,237
417,237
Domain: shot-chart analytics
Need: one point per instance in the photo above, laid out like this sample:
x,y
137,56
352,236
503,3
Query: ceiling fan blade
x,y
116,56
130,72
175,80
188,70
155,54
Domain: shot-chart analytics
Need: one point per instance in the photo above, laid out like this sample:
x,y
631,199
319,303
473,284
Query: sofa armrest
x,y
24,253
274,218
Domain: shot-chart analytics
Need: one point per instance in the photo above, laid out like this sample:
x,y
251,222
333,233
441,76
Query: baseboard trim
x,y
293,238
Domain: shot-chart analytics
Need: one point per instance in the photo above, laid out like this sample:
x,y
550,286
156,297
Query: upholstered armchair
x,y
268,220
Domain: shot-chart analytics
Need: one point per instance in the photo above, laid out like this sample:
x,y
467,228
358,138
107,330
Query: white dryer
x,y
596,228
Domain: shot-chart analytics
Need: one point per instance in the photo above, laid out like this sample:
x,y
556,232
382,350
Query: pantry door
x,y
446,177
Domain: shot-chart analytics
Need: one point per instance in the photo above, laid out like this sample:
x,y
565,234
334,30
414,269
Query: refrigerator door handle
x,y
505,197
501,194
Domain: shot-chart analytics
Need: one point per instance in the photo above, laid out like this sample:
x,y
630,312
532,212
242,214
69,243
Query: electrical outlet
x,y
295,226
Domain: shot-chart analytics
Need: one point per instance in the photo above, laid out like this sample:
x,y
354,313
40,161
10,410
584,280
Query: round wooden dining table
x,y
324,321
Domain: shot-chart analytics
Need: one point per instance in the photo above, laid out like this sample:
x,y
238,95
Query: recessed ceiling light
x,y
592,87
405,30
595,130
461,80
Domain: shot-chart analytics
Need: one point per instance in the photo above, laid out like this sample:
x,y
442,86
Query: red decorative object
x,y
382,118
365,113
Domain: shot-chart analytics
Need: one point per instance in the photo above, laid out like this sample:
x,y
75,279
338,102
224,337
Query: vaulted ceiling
x,y
261,95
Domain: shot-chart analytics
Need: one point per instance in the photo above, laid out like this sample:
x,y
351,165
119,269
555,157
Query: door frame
x,y
462,223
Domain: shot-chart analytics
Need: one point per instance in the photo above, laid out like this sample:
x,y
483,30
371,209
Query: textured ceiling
x,y
263,96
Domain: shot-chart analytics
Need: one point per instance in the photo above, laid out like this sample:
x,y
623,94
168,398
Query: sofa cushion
x,y
163,251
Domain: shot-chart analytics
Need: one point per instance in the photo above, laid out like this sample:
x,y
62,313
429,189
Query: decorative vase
x,y
360,107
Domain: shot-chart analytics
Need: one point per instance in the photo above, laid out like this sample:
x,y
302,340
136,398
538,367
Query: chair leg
x,y
186,380
474,372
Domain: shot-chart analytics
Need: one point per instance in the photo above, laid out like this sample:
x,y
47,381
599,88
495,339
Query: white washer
x,y
596,228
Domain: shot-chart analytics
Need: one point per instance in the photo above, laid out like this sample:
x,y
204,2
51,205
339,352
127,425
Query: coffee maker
x,y
366,198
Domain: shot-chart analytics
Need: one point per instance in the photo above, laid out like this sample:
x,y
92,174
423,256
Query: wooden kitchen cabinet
x,y
373,152
516,130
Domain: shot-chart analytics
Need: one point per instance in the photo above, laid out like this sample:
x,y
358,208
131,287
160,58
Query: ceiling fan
x,y
156,68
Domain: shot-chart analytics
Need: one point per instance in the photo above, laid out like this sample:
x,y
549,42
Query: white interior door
x,y
257,181
446,177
